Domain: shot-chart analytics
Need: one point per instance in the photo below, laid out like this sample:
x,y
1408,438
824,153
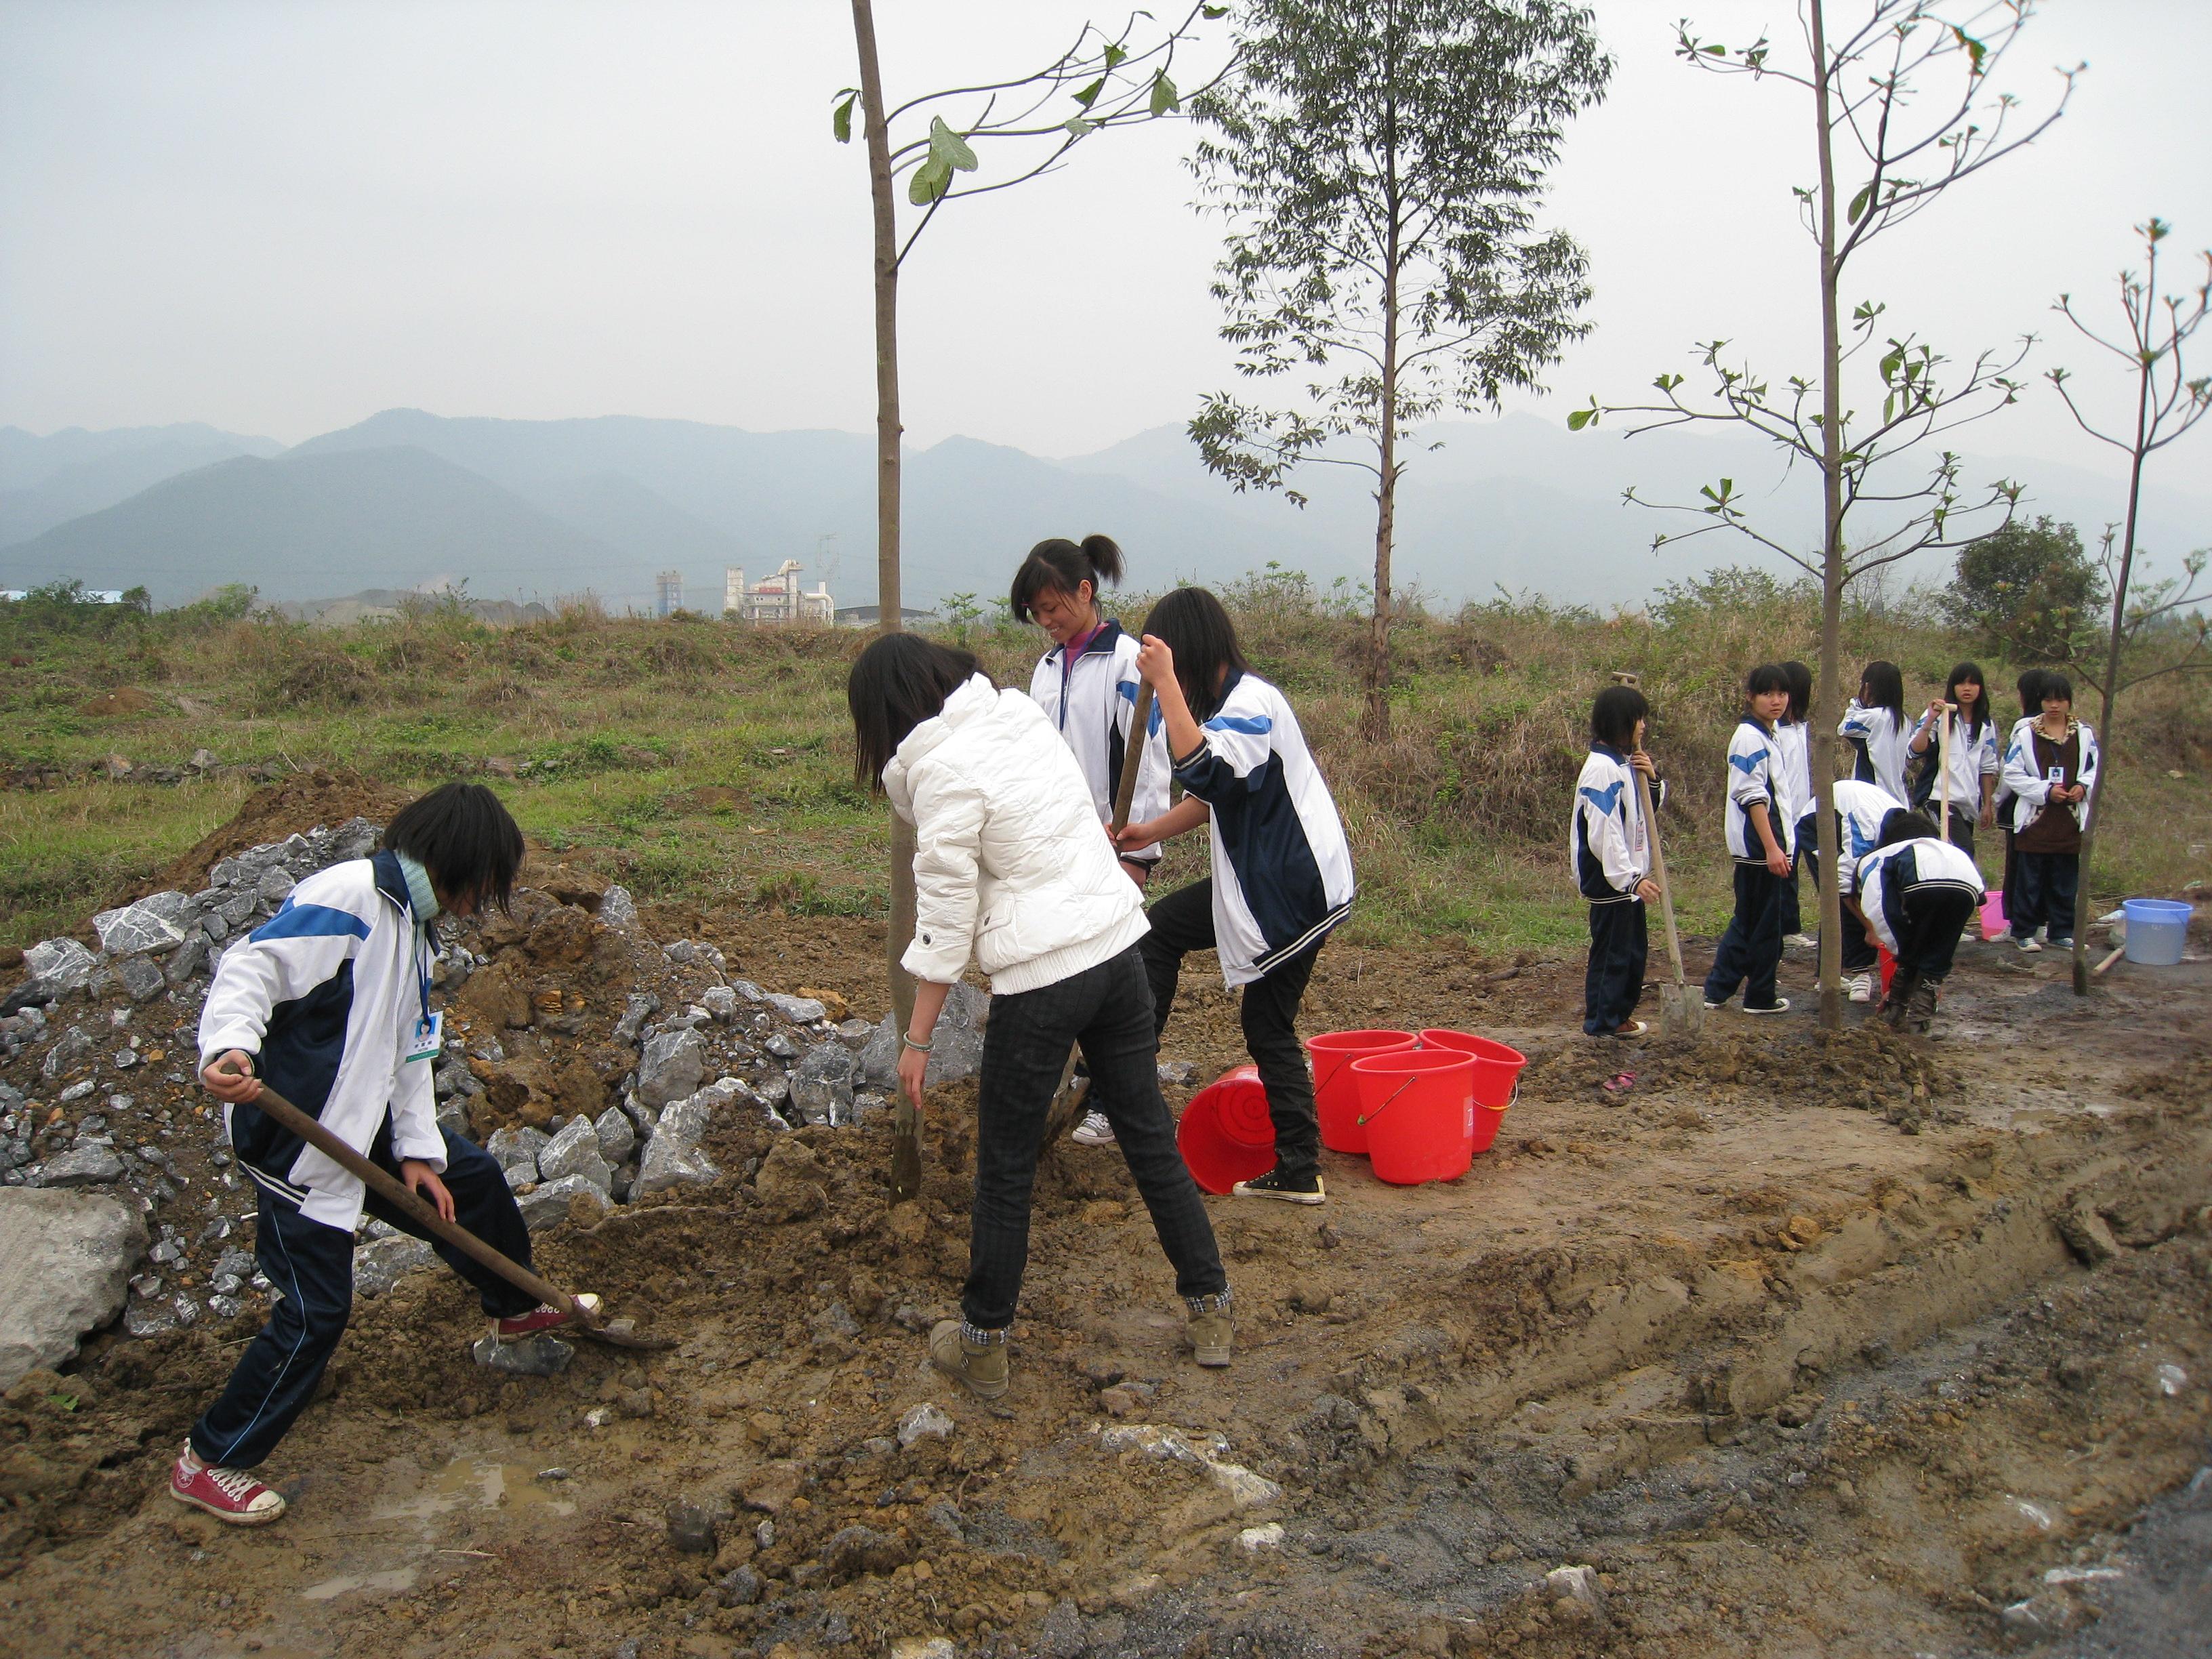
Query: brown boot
x,y
1210,1329
975,1358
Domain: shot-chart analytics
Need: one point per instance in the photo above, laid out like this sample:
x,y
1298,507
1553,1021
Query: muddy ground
x,y
1803,1346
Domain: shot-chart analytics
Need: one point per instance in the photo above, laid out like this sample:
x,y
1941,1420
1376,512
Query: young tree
x,y
1381,164
1028,123
2027,590
2168,404
1905,93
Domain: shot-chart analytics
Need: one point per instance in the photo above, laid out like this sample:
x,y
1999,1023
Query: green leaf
x,y
1861,202
1213,11
929,181
1078,125
949,147
1088,95
840,118
1164,96
1579,418
1113,56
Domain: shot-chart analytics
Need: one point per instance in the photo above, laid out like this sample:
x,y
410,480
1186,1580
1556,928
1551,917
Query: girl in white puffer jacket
x,y
1013,870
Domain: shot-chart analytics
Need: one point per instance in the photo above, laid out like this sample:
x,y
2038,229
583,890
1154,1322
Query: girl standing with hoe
x,y
1012,868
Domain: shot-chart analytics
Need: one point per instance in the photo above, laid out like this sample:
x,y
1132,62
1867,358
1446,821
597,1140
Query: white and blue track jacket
x,y
1754,779
1091,700
1793,747
326,995
1860,808
2030,790
1889,878
1282,869
1973,756
1881,743
1608,843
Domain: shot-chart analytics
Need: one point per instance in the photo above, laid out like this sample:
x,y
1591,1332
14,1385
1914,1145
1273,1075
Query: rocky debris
x,y
925,1420
67,1259
515,1150
672,1157
672,1066
822,1085
720,1003
72,1050
59,967
553,1202
1245,1489
1253,1540
2088,1234
956,1050
618,1135
142,978
791,1183
534,1356
575,1151
800,1010
1579,1586
741,1587
383,1262
92,1164
618,910
149,925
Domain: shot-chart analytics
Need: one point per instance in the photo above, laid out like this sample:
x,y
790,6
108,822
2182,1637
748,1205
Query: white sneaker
x,y
1802,941
2030,943
1860,987
1781,1006
1093,1131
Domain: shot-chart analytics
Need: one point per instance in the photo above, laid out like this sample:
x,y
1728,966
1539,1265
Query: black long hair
x,y
1800,690
1063,567
897,683
465,838
1977,715
1613,716
2030,687
1898,824
1194,625
1882,686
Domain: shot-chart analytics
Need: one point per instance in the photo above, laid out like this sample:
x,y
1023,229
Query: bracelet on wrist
x,y
919,1047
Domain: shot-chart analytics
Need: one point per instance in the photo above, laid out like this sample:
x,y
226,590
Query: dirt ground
x,y
1804,1346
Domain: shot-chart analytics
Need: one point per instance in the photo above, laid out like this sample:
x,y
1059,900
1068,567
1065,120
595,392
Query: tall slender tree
x,y
2168,404
1902,109
1380,164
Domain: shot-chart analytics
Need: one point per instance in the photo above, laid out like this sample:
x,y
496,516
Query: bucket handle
x,y
1366,1118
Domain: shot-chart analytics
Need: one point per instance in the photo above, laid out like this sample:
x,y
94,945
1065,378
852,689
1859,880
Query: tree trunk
x,y
2112,689
1823,713
1376,724
890,612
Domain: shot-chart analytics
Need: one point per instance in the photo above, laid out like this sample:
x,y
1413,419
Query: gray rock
x,y
575,1151
517,1149
454,1116
782,1046
141,977
691,1527
1176,1074
75,1092
748,990
672,1067
956,1050
618,909
136,928
234,1264
225,872
188,1311
144,1319
773,1091
71,1050
549,1205
618,1135
68,1258
446,1077
720,1003
672,1157
225,1306
635,1013
237,909
186,960
683,952
800,1010
88,1165
741,1587
60,965
927,1419
822,1083
383,1262
354,839
275,886
179,909
854,1033
534,1356
125,1058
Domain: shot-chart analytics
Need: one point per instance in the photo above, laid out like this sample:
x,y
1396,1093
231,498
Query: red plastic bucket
x,y
1418,1105
1336,1101
1888,967
1496,1078
1226,1135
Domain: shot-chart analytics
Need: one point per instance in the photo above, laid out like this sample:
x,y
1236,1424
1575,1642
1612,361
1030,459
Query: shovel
x,y
1681,1010
587,1319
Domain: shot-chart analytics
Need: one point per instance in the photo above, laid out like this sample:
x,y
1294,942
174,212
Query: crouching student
x,y
328,1002
1281,869
1610,846
1916,894
2048,768
1759,841
1861,809
1012,868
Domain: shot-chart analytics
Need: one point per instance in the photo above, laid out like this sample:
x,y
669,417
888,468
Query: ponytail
x,y
1062,567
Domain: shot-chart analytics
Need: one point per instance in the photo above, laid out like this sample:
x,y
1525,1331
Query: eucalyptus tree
x,y
2168,404
1380,164
1901,107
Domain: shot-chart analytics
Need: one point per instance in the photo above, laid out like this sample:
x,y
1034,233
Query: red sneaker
x,y
540,1318
229,1495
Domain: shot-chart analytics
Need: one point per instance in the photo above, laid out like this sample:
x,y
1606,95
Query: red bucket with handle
x,y
1496,1079
1418,1107
1336,1099
1226,1134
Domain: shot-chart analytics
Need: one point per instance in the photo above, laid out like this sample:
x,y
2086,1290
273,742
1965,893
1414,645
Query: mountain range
x,y
532,510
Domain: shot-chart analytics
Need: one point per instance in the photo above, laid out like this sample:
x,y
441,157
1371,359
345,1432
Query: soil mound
x,y
290,807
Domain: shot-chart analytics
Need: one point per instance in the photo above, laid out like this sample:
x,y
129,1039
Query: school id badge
x,y
429,1038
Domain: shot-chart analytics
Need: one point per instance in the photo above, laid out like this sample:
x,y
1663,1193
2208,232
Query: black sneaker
x,y
1292,1189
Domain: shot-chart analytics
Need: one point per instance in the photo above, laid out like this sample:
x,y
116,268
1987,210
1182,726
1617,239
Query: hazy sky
x,y
281,215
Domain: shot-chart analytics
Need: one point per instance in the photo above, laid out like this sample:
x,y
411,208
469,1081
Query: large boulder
x,y
672,1154
575,1151
673,1066
60,966
135,929
67,1258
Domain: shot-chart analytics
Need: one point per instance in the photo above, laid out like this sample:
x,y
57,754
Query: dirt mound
x,y
293,806
123,700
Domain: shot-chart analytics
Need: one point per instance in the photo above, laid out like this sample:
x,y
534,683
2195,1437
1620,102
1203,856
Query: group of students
x,y
1018,868
1908,883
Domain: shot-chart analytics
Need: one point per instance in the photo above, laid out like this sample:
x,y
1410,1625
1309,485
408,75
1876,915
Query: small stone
x,y
124,1059
275,886
635,1012
555,1201
90,1166
1253,1540
800,1010
691,1529
741,1588
672,1067
1177,1074
534,1356
782,1046
720,1003
618,1135
575,1151
517,1149
144,1319
927,1419
618,909
71,1050
383,1262
186,960
141,977
1577,1584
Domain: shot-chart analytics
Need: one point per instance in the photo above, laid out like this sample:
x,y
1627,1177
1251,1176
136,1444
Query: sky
x,y
280,216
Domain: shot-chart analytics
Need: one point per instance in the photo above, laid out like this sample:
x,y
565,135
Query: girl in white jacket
x,y
1875,727
1013,870
1087,686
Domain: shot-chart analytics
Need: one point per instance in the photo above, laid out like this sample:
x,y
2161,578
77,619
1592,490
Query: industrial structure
x,y
669,595
777,599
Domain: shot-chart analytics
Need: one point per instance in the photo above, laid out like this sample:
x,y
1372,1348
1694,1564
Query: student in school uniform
x,y
1861,809
1975,761
1281,877
328,1002
1759,844
1915,895
1875,727
1609,848
2050,768
1087,686
1793,739
2030,687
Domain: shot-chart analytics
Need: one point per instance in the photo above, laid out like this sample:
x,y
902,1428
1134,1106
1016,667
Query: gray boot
x,y
1210,1329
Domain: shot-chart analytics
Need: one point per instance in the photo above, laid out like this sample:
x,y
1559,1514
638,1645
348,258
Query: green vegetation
x,y
709,761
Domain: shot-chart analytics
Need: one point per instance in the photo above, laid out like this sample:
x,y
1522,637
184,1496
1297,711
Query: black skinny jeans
x,y
1108,1010
1184,922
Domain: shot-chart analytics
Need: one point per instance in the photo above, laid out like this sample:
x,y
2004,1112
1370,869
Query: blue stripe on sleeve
x,y
1153,721
1604,799
311,921
1256,724
1747,764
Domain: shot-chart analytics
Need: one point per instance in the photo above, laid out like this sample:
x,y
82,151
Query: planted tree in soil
x,y
1380,164
936,144
2163,630
1905,93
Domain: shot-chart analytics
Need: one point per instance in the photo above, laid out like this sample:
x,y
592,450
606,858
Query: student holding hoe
x,y
328,1002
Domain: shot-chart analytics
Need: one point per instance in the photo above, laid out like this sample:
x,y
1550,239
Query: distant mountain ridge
x,y
528,510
